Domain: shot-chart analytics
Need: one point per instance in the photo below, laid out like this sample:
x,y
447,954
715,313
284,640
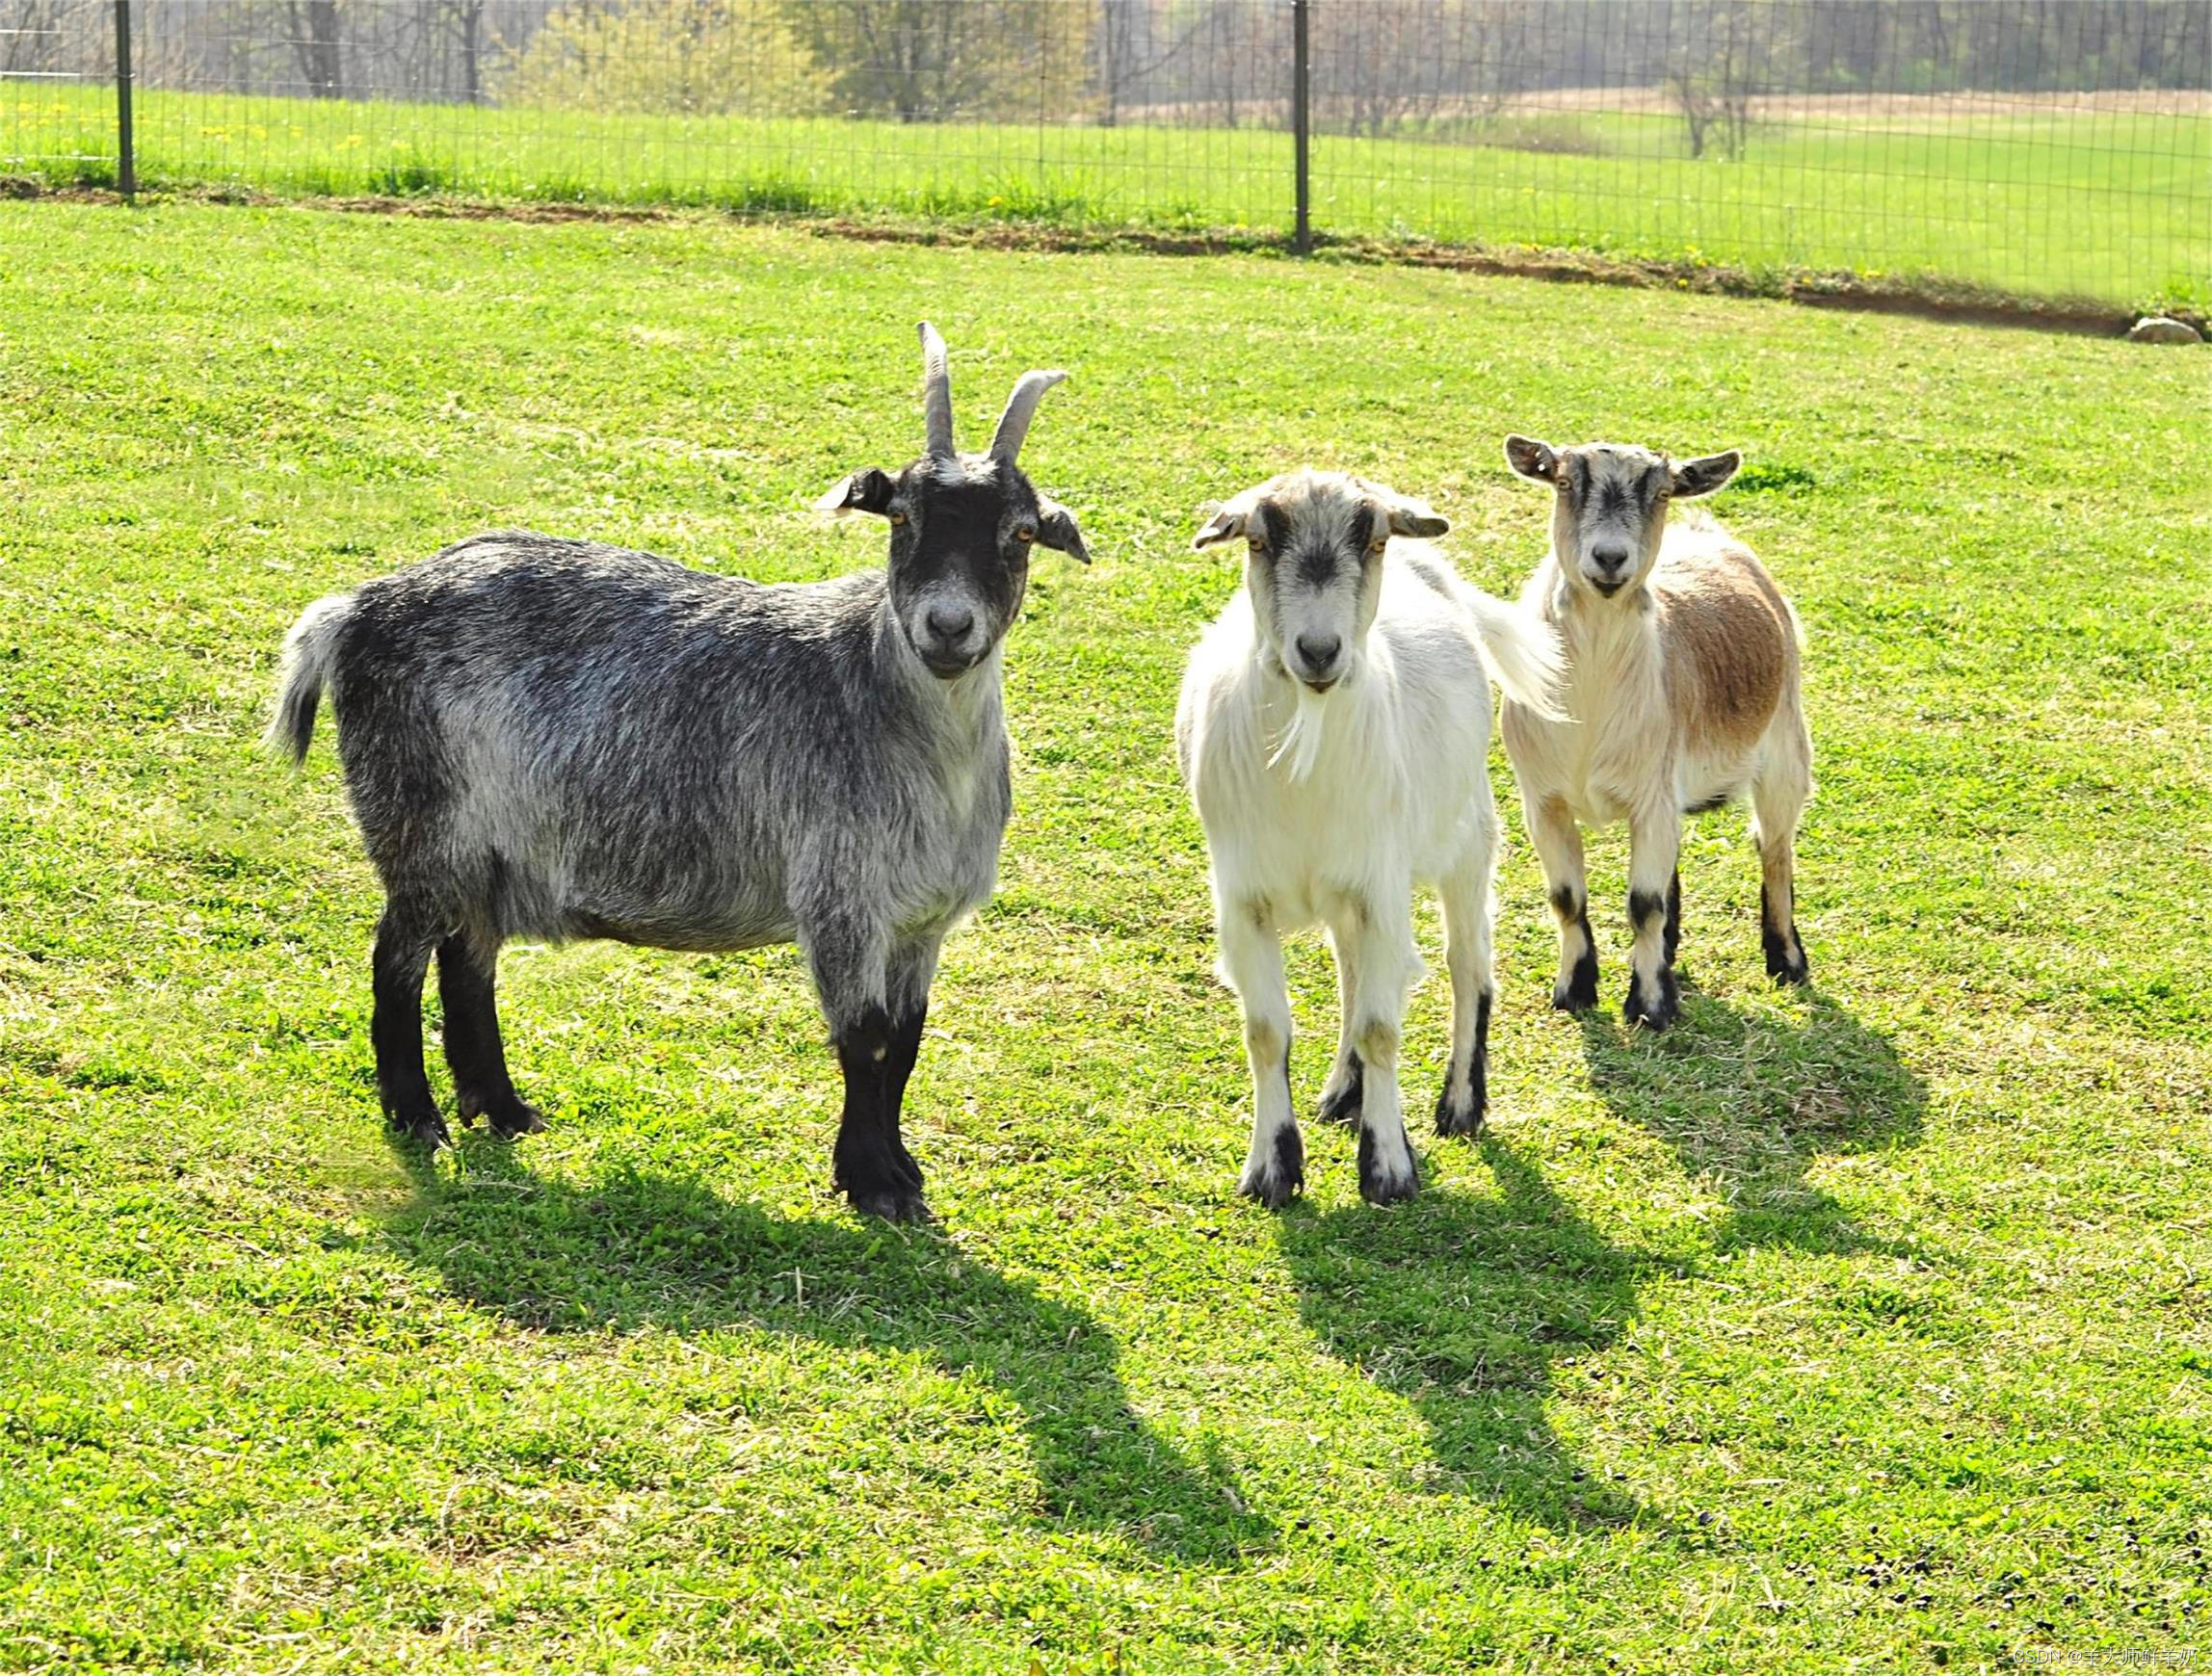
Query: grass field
x,y
2111,205
1863,1330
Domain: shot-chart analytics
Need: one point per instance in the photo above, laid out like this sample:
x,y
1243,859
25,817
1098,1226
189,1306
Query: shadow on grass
x,y
636,1248
1467,1307
1471,1308
1747,1099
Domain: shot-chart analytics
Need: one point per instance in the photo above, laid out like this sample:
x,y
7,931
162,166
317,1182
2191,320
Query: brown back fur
x,y
1728,639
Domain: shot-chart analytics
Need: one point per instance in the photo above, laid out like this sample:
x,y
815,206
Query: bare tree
x,y
35,35
320,49
1719,58
1127,50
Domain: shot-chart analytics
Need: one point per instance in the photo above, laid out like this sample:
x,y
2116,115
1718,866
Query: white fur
x,y
1329,807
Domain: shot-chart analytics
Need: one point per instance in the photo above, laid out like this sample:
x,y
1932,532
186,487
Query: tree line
x,y
1378,65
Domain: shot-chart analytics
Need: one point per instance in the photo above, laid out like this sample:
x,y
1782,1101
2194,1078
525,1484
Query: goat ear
x,y
1538,461
1225,525
865,492
1702,477
1411,517
1056,529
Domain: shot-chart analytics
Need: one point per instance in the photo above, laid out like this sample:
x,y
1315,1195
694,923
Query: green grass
x,y
2094,203
1860,1329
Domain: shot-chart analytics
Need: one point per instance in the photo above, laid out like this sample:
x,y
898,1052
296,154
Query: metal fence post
x,y
126,159
1300,120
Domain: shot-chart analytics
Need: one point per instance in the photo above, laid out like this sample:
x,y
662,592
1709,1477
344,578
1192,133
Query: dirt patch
x,y
1902,109
1932,300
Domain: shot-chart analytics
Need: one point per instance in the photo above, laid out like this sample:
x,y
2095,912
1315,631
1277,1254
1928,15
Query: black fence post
x,y
1300,120
126,159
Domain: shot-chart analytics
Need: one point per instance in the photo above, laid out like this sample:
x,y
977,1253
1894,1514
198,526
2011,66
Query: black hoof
x,y
1386,1183
1579,993
1653,1012
1340,1102
1462,1119
516,1120
1785,958
509,1115
1278,1180
422,1126
895,1204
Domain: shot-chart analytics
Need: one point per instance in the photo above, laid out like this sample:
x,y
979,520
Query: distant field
x,y
2047,200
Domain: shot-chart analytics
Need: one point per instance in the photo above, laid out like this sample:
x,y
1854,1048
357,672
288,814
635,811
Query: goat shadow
x,y
1468,1306
1750,1099
635,1248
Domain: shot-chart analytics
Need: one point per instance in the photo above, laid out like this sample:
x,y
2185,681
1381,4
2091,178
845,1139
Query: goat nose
x,y
950,622
1611,557
1319,650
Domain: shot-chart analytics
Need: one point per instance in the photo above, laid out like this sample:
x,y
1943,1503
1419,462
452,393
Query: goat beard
x,y
1300,738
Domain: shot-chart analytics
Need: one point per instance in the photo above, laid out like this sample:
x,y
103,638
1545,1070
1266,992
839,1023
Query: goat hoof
x,y
1276,1176
895,1204
1579,992
425,1128
1341,1099
1386,1179
507,1112
1390,1187
1578,989
1654,1011
1458,1116
1786,959
1269,1189
515,1120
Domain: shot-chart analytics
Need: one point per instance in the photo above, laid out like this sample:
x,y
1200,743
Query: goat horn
x,y
936,395
1020,409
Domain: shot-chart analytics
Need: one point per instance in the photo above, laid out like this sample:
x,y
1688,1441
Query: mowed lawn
x,y
1863,1328
2066,200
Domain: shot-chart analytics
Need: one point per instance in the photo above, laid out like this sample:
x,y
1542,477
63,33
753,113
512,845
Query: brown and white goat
x,y
1682,694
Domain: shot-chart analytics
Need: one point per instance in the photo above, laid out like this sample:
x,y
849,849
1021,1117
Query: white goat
x,y
1683,693
1334,732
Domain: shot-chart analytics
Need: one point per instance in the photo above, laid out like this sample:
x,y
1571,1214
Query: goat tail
x,y
305,671
1523,651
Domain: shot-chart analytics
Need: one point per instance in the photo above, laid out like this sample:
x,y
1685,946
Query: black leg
x,y
1469,1121
905,1049
1581,991
1341,1104
1654,1003
1674,916
873,1169
401,961
467,981
1784,950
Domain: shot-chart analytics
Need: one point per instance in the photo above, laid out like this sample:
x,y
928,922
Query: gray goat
x,y
554,738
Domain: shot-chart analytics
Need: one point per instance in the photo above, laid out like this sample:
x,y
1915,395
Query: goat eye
x,y
898,517
1025,533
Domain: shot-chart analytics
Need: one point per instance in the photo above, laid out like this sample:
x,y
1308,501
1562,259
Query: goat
x,y
556,739
1683,689
1333,730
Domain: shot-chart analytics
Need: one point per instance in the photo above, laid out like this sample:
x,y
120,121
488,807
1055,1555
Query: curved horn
x,y
1020,409
936,395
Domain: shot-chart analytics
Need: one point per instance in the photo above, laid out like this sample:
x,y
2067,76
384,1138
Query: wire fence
x,y
2043,146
